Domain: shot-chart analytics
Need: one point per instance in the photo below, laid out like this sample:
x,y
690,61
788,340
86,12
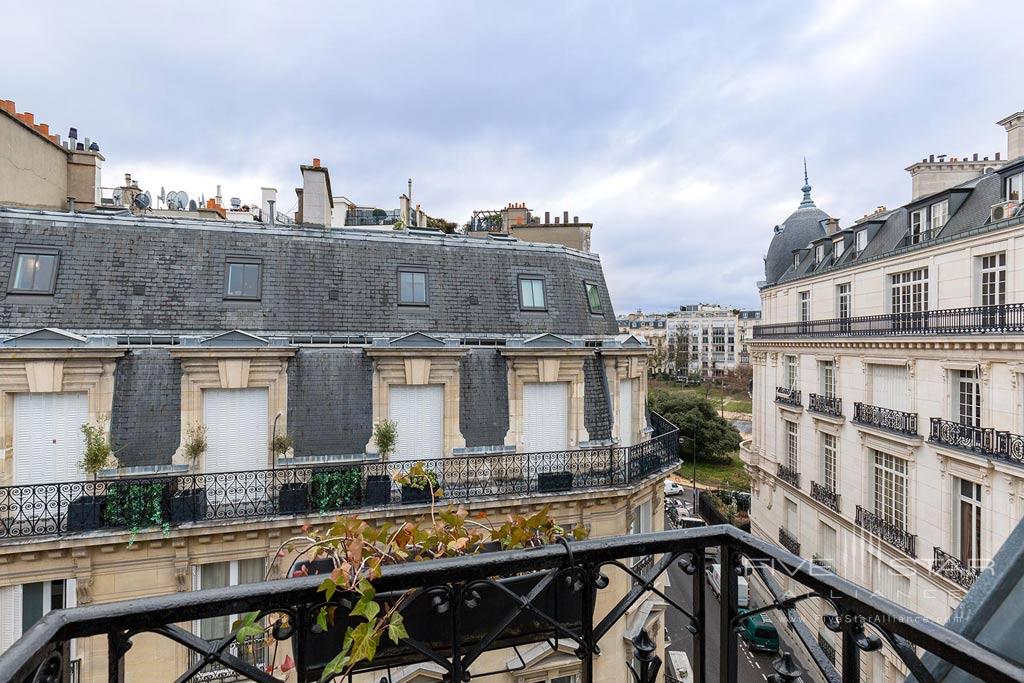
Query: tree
x,y
738,381
679,351
714,437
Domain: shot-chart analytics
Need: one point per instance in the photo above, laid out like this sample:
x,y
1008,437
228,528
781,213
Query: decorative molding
x,y
534,365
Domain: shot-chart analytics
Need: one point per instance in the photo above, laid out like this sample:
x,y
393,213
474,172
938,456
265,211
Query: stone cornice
x,y
232,352
986,342
83,352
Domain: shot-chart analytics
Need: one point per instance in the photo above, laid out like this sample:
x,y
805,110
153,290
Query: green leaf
x,y
338,664
328,587
396,628
364,642
246,627
321,619
366,608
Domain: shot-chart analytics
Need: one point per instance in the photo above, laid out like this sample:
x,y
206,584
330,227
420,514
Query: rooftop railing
x,y
134,503
1002,319
458,608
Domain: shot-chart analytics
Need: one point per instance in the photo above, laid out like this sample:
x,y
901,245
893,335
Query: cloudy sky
x,y
678,128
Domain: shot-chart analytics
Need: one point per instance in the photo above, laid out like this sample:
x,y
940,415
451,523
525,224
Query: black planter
x,y
414,495
378,489
85,513
293,498
188,505
549,482
557,600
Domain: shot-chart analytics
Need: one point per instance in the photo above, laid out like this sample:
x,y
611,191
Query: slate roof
x,y
796,232
121,274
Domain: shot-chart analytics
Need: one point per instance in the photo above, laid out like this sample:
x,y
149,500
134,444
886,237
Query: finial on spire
x,y
807,202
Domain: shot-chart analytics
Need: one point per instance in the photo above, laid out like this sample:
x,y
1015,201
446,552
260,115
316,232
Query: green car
x,y
760,634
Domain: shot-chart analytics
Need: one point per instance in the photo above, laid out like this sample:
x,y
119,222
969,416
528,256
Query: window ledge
x,y
141,471
341,459
904,439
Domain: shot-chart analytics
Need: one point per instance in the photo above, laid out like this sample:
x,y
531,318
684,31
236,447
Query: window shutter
x,y
10,616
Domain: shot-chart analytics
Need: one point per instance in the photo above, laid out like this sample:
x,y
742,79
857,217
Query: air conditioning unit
x,y
1004,210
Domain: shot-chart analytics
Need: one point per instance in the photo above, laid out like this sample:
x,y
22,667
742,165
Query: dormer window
x,y
819,253
917,222
243,278
940,214
1013,187
862,240
838,247
34,271
796,259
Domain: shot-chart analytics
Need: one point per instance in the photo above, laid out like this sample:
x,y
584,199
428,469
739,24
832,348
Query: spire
x,y
807,202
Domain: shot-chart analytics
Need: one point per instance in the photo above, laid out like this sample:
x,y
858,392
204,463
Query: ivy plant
x,y
136,505
336,490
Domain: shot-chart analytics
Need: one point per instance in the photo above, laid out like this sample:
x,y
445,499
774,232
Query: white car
x,y
673,488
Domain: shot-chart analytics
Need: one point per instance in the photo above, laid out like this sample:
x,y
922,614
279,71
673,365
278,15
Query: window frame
x,y
587,284
857,246
829,461
819,254
543,288
891,488
1013,183
932,215
243,261
31,250
413,270
804,303
838,248
844,294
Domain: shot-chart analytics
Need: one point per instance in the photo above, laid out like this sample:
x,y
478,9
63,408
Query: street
x,y
752,667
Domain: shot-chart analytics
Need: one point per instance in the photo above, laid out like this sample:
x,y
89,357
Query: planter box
x,y
188,505
414,495
549,482
378,489
293,499
86,513
137,503
558,601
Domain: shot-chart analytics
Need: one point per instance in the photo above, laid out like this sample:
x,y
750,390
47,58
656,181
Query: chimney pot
x,y
30,118
575,219
565,216
997,156
73,133
931,158
8,106
316,162
44,128
975,156
556,220
547,217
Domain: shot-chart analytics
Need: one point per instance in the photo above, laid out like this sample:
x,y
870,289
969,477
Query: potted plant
x,y
378,486
293,496
85,513
336,489
419,484
189,504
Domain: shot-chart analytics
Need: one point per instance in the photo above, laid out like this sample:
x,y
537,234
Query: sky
x,y
677,128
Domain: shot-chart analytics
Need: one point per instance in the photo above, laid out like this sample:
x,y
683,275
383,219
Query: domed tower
x,y
802,227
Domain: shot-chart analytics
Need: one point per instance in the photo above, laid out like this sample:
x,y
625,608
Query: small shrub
x,y
336,490
97,454
385,434
195,442
281,444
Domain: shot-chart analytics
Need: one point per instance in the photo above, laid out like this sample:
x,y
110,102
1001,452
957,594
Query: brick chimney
x,y
317,201
1014,125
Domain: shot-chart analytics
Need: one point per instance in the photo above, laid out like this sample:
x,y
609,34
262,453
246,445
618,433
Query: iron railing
x,y
827,648
1001,319
884,418
464,607
825,495
986,441
954,569
252,650
75,507
890,533
787,396
826,405
789,475
788,541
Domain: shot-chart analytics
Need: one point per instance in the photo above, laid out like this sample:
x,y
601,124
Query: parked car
x,y
760,633
673,488
714,577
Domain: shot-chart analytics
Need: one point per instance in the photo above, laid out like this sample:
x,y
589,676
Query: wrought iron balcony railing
x,y
954,569
789,475
1002,319
827,649
787,396
458,606
789,541
825,495
890,533
75,507
826,405
884,418
985,441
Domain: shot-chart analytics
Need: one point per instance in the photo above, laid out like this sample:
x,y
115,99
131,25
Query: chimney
x,y
831,226
1014,125
85,176
403,210
565,216
317,202
271,218
547,218
268,198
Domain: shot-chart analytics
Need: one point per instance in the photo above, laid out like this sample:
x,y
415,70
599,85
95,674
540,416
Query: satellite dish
x,y
182,200
192,205
118,196
172,200
143,200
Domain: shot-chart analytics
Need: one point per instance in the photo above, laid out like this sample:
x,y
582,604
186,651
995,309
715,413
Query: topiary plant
x,y
195,442
97,454
385,434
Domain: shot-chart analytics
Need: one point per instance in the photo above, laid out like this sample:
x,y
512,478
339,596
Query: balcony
x,y
825,405
76,507
885,419
788,541
890,533
789,475
954,569
788,397
984,441
824,495
1003,319
453,617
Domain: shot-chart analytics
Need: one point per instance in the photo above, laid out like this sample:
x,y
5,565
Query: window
x,y
24,605
993,279
890,387
917,223
1013,187
967,408
243,279
593,297
531,294
819,253
828,461
827,373
412,287
890,584
221,575
792,517
796,259
826,543
34,271
967,538
793,446
862,240
844,302
940,214
910,291
838,247
890,489
642,518
792,380
805,306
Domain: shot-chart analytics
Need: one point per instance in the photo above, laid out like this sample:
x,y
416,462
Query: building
x,y
516,220
888,404
485,353
650,327
710,338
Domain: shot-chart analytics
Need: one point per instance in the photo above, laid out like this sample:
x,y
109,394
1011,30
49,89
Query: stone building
x,y
888,388
713,336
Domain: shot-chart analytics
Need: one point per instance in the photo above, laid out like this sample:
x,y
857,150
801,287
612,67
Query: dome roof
x,y
796,232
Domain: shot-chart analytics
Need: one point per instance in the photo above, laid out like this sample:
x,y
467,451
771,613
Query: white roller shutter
x,y
48,439
890,387
418,413
10,616
545,416
625,412
236,429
